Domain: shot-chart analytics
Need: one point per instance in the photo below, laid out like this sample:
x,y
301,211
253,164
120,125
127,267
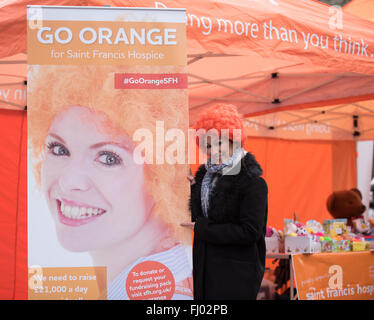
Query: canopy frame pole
x,y
256,123
274,86
328,125
366,130
266,99
331,109
196,58
344,74
221,99
227,95
341,113
208,54
305,122
336,118
12,84
310,88
300,118
12,104
308,118
229,79
13,62
362,107
335,127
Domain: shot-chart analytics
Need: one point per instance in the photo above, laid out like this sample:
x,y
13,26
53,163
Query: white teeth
x,y
79,212
82,211
74,212
67,211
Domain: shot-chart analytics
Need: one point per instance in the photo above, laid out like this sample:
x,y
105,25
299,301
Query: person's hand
x,y
191,179
188,224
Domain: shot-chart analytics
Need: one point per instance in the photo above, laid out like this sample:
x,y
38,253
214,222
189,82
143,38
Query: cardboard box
x,y
370,239
301,245
326,246
360,246
335,227
341,245
371,245
273,245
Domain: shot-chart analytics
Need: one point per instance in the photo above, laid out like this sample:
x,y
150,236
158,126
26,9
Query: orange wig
x,y
222,117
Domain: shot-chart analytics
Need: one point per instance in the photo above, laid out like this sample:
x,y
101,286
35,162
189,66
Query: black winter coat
x,y
229,246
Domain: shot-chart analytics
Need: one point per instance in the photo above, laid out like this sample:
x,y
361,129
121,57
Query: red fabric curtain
x,y
13,205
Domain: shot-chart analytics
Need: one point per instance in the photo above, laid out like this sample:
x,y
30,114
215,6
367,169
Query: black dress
x,y
229,246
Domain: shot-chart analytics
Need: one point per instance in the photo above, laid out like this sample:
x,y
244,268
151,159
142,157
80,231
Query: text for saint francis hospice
x,y
335,276
73,283
98,54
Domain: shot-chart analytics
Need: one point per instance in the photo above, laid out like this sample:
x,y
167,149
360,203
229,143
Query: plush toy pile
x,y
332,236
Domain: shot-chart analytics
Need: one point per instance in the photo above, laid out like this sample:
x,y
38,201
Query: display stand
x,y
289,257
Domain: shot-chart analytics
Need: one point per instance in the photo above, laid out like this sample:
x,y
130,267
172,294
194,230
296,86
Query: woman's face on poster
x,y
94,189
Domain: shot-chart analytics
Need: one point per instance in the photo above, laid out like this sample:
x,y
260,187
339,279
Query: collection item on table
x,y
333,235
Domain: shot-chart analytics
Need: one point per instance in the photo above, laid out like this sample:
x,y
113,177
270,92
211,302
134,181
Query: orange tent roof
x,y
345,121
361,8
283,29
257,55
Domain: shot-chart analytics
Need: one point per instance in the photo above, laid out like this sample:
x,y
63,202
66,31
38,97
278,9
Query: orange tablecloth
x,y
335,276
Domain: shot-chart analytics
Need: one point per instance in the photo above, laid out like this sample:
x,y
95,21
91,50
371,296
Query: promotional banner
x,y
107,168
335,276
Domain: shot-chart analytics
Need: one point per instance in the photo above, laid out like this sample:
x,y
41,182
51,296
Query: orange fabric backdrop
x,y
301,175
13,207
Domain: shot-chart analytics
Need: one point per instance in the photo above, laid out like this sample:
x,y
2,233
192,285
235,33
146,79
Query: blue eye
x,y
58,149
109,158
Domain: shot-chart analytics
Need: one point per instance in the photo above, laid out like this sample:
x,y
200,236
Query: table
x,y
289,257
344,260
347,275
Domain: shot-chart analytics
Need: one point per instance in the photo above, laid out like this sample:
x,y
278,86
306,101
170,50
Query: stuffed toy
x,y
347,204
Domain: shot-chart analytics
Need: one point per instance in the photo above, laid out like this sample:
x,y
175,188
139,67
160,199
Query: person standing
x,y
228,204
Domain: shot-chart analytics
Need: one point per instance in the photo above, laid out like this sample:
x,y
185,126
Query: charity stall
x,y
318,254
303,85
314,254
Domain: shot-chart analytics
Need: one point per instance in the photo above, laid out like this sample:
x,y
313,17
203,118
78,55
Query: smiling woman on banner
x,y
101,200
229,211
